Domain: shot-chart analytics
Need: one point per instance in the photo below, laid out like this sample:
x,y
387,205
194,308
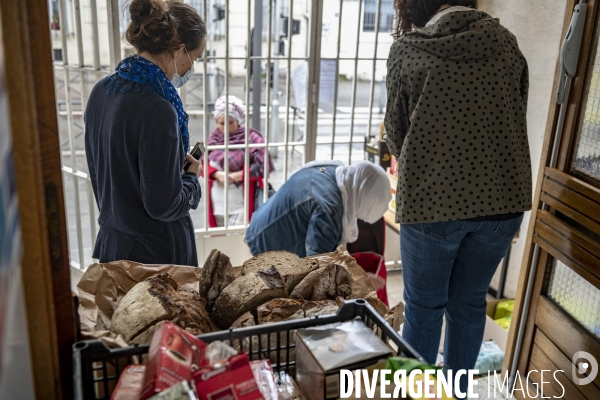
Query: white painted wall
x,y
537,24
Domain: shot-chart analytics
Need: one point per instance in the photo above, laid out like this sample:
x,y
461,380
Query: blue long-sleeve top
x,y
135,157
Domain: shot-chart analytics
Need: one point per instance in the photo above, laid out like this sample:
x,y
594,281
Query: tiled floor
x,y
395,289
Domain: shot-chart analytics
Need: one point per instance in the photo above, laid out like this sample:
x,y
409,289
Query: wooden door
x,y
45,261
564,312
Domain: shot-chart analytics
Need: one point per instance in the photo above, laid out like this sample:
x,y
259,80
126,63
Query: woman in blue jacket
x,y
136,140
317,209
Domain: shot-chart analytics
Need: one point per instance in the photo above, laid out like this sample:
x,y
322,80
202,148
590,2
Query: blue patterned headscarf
x,y
137,69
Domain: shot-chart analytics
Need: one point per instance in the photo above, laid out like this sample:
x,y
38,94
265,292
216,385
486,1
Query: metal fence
x,y
313,87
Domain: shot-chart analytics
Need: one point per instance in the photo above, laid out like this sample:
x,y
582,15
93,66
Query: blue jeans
x,y
447,268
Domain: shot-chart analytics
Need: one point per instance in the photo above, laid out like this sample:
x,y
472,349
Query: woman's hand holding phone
x,y
195,166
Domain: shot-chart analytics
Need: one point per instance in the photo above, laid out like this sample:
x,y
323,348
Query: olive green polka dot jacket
x,y
456,120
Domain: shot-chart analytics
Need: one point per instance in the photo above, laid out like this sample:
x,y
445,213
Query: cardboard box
x,y
130,383
227,379
321,352
172,356
493,331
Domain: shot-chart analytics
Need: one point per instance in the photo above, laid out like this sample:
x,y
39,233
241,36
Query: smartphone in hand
x,y
196,152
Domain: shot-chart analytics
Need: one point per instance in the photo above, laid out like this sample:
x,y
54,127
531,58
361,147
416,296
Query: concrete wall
x,y
537,24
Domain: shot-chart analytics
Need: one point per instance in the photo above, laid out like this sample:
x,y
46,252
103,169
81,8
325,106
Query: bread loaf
x,y
217,273
157,299
326,283
246,293
291,267
245,320
278,310
324,307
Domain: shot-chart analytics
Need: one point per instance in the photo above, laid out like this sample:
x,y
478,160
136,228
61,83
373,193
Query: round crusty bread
x,y
291,267
143,306
158,299
246,293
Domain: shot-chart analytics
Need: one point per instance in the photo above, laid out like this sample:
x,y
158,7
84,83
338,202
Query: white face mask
x,y
177,80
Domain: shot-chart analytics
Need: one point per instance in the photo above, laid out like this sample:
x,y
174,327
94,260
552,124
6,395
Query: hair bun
x,y
159,26
143,10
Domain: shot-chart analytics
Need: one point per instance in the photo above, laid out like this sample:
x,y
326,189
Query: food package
x,y
263,373
228,379
322,351
130,383
504,309
181,391
490,358
217,351
287,387
172,356
504,322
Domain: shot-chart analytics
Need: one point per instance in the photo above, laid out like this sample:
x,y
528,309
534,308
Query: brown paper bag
x,y
362,287
102,287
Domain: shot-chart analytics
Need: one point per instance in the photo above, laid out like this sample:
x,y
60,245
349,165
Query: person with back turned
x,y
457,88
136,140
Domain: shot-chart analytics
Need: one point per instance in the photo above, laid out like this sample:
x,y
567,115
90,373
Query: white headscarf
x,y
366,194
365,191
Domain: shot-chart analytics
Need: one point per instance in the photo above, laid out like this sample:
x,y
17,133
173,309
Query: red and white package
x,y
173,357
228,379
130,383
263,373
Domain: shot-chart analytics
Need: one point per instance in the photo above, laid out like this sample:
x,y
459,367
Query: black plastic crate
x,y
97,368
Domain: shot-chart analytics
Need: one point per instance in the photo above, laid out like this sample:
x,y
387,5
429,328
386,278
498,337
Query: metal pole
x,y
286,137
372,93
205,123
268,108
314,79
114,33
212,71
354,85
256,69
275,102
337,80
247,102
